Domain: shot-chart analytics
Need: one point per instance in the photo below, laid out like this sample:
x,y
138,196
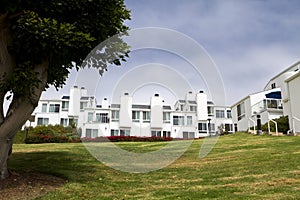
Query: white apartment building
x,y
192,117
280,97
293,102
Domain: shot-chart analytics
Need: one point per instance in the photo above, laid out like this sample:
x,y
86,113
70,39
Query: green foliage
x,y
60,32
48,134
282,123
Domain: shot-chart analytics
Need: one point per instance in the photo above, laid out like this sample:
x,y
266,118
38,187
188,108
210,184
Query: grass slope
x,y
240,166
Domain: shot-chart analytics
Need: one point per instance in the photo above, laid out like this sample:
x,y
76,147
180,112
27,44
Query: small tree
x,y
39,40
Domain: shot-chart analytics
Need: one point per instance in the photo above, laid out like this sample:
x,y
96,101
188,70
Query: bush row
x,y
126,139
50,134
50,139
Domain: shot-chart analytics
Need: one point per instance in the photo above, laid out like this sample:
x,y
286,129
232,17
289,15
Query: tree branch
x,y
2,94
7,63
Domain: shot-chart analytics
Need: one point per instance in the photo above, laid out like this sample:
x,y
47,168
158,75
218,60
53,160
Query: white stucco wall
x,y
294,102
126,111
201,99
156,104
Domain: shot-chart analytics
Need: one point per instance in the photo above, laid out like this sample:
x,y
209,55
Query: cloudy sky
x,y
250,41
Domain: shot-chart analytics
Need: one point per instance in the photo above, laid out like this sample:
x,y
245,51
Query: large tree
x,y
39,41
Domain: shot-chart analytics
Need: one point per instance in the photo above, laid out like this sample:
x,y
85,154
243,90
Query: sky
x,y
249,41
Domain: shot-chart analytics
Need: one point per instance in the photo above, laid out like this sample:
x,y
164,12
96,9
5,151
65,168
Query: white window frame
x,y
220,113
146,116
135,116
166,117
189,120
115,115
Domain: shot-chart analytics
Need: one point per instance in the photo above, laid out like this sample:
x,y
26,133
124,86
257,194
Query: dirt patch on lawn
x,y
28,185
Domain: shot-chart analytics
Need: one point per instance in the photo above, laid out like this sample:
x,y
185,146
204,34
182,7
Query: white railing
x,y
266,104
276,127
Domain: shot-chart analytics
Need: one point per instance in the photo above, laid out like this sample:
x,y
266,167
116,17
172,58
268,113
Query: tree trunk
x,y
5,149
19,111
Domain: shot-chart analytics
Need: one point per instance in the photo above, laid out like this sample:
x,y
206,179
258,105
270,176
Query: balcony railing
x,y
267,104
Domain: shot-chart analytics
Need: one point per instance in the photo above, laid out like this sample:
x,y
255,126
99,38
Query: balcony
x,y
267,104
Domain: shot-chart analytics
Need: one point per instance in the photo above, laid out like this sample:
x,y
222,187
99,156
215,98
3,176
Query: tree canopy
x,y
56,31
40,40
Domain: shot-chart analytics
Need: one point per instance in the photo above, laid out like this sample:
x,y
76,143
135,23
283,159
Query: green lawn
x,y
240,166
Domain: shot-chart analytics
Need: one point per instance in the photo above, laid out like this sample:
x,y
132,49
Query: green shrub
x,y
282,124
48,134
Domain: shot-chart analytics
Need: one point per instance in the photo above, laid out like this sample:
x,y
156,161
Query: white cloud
x,y
250,40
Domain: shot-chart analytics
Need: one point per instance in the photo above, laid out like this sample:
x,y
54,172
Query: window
x,y
241,111
64,121
54,108
188,135
114,132
102,117
94,133
210,111
135,116
98,119
178,120
272,103
88,133
155,133
146,116
273,85
73,122
90,117
211,127
189,120
43,121
44,107
229,114
65,106
181,107
124,132
202,127
228,128
220,114
83,105
193,108
115,114
166,117
166,134
91,133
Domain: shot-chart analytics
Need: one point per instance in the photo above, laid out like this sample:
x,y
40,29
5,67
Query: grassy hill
x,y
240,166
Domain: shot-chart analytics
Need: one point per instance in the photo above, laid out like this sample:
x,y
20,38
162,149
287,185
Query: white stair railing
x,y
276,127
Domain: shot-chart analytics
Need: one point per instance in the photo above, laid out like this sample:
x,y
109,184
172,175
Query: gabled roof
x,y
293,77
284,71
248,96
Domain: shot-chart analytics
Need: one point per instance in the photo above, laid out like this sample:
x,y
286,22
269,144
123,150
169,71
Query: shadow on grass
x,y
78,167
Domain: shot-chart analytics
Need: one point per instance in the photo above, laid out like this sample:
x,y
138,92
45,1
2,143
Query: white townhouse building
x,y
192,117
293,101
267,104
280,97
